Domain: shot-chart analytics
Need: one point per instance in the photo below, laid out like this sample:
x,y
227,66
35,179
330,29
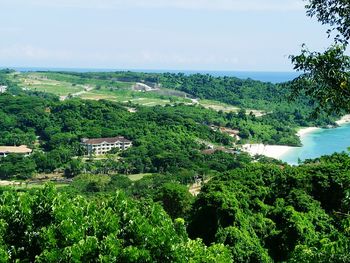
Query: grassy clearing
x,y
77,80
93,96
220,106
137,177
141,98
215,105
37,82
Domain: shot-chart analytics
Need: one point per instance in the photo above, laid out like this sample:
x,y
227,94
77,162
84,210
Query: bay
x,y
318,143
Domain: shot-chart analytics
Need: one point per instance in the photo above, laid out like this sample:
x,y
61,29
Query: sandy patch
x,y
344,120
273,151
303,131
8,183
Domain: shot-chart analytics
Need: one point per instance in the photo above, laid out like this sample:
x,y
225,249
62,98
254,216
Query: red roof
x,y
107,140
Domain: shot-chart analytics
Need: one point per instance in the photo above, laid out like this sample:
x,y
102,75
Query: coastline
x,y
304,131
344,120
272,151
277,151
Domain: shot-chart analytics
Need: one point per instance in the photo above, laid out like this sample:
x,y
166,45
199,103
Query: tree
x,y
335,13
175,199
46,226
73,168
326,76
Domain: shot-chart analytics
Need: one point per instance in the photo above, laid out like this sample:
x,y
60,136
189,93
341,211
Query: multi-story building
x,y
3,89
104,145
6,150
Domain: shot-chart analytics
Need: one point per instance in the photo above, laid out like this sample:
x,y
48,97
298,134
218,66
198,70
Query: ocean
x,y
320,142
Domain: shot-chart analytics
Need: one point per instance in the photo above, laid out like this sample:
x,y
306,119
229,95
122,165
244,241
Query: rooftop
x,y
107,140
15,149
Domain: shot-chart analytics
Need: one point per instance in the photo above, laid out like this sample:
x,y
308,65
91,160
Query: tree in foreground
x,y
47,226
326,76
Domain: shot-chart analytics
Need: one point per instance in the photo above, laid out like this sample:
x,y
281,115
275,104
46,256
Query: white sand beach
x,y
304,131
344,120
273,151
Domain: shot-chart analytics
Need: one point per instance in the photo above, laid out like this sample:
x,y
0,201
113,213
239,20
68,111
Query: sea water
x,y
320,142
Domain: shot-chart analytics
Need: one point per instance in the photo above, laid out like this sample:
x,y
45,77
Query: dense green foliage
x,y
326,78
264,211
271,213
257,213
45,226
246,212
165,139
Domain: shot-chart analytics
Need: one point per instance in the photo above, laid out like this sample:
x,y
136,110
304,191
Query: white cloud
x,y
221,5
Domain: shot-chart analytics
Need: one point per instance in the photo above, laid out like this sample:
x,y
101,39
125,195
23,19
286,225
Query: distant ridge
x,y
265,76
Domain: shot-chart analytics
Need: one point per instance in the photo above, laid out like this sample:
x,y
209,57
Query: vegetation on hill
x,y
164,138
178,88
269,213
262,211
46,226
257,213
245,212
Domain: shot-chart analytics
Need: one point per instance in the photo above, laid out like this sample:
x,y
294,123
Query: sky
x,y
230,35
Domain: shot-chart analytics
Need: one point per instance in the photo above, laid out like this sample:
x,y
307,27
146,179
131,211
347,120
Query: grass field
x,y
215,105
220,106
137,177
73,79
36,82
142,98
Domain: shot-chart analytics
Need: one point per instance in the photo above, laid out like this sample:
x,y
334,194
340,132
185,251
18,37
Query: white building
x,y
104,145
6,150
3,89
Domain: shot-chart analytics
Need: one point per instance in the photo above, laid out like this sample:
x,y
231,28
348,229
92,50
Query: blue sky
x,y
251,35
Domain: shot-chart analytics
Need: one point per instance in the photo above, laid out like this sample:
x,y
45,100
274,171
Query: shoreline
x,y
272,151
278,151
344,120
304,131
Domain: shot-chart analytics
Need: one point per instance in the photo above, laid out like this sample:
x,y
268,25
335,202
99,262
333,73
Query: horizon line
x,y
101,69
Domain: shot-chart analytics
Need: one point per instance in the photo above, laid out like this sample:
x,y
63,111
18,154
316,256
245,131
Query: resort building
x,y
3,89
231,132
104,145
6,150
